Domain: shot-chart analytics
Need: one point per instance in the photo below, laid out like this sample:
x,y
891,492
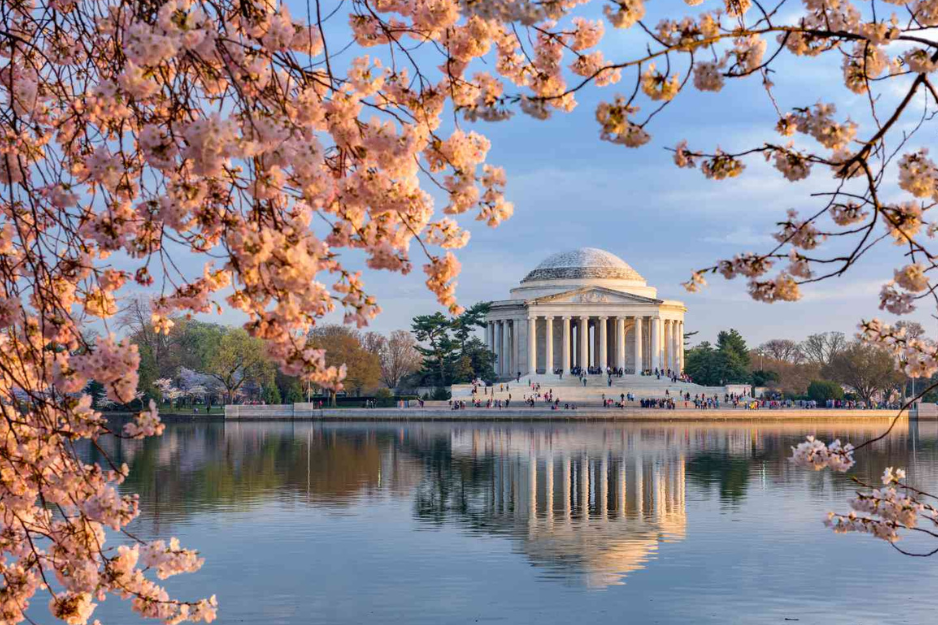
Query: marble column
x,y
655,343
673,345
674,348
499,348
532,345
515,358
549,352
620,342
509,356
639,365
603,343
680,328
565,347
490,335
594,357
509,348
666,344
582,338
504,348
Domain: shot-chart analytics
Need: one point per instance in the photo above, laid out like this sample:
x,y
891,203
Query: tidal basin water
x,y
525,523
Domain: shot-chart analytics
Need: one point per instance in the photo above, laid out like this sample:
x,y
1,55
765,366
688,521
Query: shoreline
x,y
539,414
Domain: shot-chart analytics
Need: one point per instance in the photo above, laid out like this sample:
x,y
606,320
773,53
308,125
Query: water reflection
x,y
586,504
579,502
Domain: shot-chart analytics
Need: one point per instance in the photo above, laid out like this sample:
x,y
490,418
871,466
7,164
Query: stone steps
x,y
572,390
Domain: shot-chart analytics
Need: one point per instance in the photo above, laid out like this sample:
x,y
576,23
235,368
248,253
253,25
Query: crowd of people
x,y
460,404
484,396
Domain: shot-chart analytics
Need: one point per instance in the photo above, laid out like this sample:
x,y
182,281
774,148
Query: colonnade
x,y
501,338
658,343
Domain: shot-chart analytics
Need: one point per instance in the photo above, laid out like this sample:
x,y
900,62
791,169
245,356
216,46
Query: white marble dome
x,y
583,263
574,269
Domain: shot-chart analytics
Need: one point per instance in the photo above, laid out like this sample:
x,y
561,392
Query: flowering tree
x,y
137,133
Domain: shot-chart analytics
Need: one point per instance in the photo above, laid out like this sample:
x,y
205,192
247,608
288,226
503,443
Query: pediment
x,y
594,295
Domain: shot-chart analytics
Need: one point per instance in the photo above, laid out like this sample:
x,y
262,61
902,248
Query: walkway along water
x,y
442,412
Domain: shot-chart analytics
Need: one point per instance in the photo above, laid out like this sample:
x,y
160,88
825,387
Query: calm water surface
x,y
524,523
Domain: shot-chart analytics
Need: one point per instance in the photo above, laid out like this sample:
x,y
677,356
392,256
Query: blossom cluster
x,y
917,356
883,512
816,455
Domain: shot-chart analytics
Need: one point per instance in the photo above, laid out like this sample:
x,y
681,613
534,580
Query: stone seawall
x,y
307,413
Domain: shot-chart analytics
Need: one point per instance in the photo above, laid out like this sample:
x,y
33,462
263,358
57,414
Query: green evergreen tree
x,y
294,392
483,359
703,364
433,331
271,394
462,370
452,354
465,324
97,392
734,357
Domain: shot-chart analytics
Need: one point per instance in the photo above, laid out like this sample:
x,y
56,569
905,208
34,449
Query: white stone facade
x,y
585,293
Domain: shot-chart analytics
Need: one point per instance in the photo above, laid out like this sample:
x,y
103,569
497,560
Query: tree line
x,y
202,362
820,367
211,363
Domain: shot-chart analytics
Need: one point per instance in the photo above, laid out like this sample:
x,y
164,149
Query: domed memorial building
x,y
586,308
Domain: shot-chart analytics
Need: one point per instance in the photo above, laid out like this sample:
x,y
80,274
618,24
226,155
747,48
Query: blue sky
x,y
572,190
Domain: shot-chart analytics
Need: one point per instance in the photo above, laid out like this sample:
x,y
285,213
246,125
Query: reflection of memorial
x,y
586,501
581,502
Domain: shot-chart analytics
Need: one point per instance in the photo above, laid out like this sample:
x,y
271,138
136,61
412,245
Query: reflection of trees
x,y
729,472
543,485
208,466
449,483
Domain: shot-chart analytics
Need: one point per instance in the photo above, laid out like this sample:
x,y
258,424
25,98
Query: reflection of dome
x,y
604,550
586,262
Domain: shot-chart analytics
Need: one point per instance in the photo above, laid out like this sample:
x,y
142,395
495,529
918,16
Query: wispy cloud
x,y
739,237
833,290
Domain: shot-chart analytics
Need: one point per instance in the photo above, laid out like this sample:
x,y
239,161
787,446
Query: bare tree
x,y
399,358
374,343
783,349
821,348
867,369
135,320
